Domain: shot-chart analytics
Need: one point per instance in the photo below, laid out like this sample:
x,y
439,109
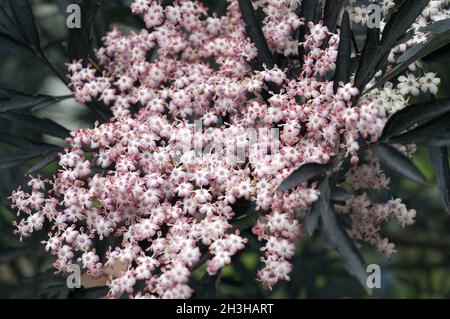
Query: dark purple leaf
x,y
415,114
317,208
11,100
439,159
439,37
44,126
80,39
303,174
337,238
396,161
344,57
332,12
24,18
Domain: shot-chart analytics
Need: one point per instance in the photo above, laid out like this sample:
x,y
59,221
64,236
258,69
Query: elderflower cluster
x,y
367,217
148,186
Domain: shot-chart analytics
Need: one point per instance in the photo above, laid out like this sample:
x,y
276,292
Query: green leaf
x,y
337,238
303,174
254,31
11,100
44,126
396,161
415,114
439,159
344,56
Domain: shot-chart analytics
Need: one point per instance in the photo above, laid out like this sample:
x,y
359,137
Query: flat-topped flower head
x,y
197,133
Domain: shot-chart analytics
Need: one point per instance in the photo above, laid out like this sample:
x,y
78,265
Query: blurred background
x,y
420,269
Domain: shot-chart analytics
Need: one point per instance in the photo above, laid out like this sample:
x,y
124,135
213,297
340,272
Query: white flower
x,y
408,85
347,92
294,3
430,83
386,247
360,15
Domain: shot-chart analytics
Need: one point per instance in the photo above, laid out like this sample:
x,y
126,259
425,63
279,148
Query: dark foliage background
x,y
420,269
